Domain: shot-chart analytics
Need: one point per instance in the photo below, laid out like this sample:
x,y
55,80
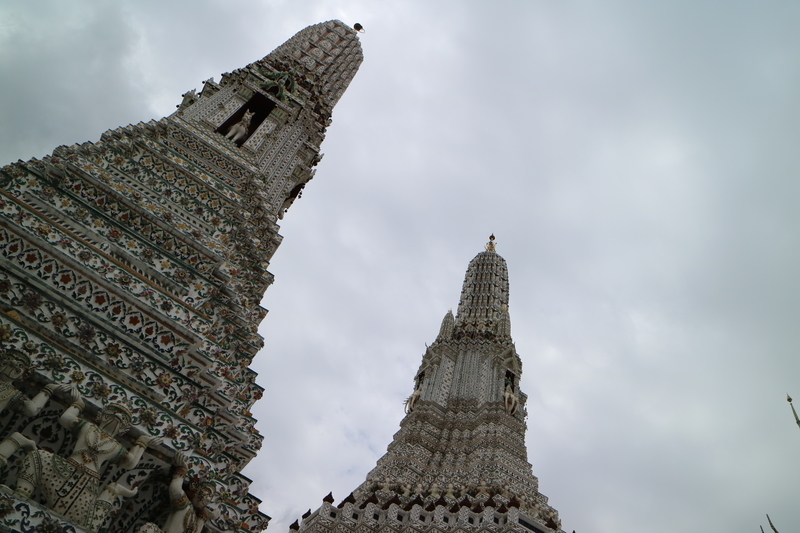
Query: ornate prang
x,y
459,461
133,268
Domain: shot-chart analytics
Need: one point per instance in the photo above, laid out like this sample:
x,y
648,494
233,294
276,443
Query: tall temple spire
x,y
132,271
484,296
459,459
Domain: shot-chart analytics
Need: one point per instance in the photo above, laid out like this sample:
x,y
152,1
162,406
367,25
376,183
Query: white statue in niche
x,y
71,485
509,396
13,365
412,400
238,132
191,511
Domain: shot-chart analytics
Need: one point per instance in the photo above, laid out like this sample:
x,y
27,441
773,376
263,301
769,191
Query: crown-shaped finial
x,y
490,246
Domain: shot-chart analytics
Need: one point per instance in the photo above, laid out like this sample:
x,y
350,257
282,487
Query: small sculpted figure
x,y
188,514
510,397
281,83
238,132
71,485
104,503
412,400
13,365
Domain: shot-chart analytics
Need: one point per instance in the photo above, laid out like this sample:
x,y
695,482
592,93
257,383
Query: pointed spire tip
x,y
490,246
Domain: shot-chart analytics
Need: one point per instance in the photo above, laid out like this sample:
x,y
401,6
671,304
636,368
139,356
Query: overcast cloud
x,y
638,163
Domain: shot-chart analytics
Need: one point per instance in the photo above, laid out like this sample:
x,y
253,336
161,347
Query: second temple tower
x,y
458,462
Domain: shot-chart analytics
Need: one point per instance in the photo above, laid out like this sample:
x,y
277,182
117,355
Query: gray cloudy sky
x,y
638,162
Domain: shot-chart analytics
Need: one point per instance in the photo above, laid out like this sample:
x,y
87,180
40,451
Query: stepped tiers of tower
x,y
132,271
459,461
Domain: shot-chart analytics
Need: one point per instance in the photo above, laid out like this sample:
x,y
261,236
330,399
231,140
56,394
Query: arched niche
x,y
259,105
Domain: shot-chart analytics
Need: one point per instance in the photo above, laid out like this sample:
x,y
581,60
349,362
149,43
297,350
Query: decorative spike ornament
x,y
504,323
794,412
448,323
771,525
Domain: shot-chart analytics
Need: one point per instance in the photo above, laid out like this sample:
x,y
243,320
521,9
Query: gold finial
x,y
490,246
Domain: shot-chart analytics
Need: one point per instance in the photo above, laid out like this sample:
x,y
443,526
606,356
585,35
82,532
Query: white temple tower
x,y
132,269
459,461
